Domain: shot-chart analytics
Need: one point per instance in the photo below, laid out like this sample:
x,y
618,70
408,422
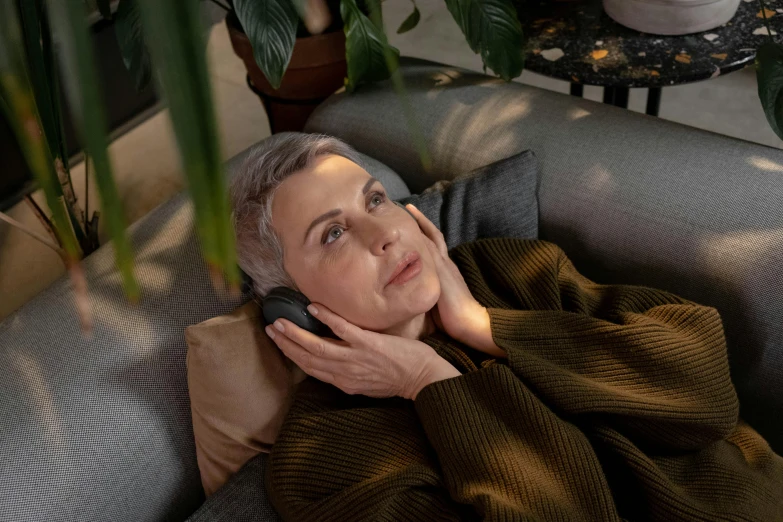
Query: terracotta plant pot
x,y
317,69
671,17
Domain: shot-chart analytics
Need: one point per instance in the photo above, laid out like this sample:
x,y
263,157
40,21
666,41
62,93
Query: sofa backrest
x,y
99,429
630,198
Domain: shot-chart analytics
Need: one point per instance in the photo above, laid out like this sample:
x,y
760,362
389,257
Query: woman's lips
x,y
408,273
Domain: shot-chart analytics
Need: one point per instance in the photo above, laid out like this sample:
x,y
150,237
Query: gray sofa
x,y
99,429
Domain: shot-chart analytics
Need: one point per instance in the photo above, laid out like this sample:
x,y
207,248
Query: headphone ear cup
x,y
290,293
292,305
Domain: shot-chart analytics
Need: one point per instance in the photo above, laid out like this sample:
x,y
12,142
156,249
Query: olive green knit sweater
x,y
614,403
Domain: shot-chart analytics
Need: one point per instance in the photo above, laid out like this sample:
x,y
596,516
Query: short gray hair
x,y
259,247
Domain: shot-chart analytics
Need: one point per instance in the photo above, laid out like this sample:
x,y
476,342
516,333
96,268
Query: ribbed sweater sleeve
x,y
641,360
507,455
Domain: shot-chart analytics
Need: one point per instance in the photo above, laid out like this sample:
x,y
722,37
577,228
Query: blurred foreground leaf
x,y
68,19
174,36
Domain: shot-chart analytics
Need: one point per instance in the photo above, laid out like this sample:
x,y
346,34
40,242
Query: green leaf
x,y
134,51
30,12
17,102
68,19
271,27
364,47
769,72
104,6
175,39
492,29
410,22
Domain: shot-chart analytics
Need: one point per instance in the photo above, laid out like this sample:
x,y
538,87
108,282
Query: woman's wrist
x,y
439,370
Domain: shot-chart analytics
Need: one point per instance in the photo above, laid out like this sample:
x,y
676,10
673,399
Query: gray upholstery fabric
x,y
242,499
629,197
96,429
99,429
497,200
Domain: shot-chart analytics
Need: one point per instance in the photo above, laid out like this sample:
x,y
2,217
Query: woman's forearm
x,y
478,335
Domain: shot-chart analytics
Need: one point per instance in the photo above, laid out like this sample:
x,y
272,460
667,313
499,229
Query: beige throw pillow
x,y
241,386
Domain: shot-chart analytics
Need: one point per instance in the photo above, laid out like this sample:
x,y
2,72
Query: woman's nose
x,y
382,233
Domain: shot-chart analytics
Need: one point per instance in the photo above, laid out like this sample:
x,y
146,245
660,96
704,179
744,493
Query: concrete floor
x,y
147,166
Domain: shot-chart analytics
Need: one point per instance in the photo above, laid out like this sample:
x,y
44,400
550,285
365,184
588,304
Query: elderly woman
x,y
489,382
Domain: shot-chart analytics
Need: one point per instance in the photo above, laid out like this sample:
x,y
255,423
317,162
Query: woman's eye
x,y
329,235
380,197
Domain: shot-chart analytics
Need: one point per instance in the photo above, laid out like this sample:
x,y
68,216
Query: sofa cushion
x,y
240,388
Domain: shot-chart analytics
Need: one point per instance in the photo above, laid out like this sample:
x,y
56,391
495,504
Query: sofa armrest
x,y
241,499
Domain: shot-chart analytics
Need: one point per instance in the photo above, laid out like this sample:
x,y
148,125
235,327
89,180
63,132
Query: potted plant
x,y
294,63
293,81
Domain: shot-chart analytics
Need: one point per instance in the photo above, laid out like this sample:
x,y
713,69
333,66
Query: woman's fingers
x,y
429,229
341,328
310,352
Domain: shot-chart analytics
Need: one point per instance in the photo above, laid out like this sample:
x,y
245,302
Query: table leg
x,y
577,89
654,101
609,95
621,96
617,96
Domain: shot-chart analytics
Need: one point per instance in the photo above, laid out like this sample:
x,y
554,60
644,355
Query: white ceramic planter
x,y
668,17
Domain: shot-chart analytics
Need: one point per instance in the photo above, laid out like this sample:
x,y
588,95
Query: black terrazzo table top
x,y
578,42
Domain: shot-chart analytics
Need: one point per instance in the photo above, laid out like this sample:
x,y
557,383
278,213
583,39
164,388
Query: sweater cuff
x,y
526,326
437,398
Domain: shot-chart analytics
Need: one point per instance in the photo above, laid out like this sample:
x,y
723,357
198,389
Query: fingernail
x,y
312,309
279,326
270,332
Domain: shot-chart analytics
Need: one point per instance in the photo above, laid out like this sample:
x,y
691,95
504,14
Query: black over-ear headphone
x,y
292,305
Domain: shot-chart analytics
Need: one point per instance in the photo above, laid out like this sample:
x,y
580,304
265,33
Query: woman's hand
x,y
457,311
361,361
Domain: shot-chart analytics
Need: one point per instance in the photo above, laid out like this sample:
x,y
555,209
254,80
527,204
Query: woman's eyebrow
x,y
335,212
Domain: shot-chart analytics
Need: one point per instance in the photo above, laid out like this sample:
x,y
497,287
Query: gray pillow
x,y
241,499
496,200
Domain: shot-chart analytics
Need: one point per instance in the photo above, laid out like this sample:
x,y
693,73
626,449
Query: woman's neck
x,y
417,327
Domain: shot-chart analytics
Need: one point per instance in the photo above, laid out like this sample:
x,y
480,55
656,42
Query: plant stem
x,y
41,215
766,21
86,189
11,221
228,9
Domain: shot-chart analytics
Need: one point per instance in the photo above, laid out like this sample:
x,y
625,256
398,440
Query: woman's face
x,y
342,239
